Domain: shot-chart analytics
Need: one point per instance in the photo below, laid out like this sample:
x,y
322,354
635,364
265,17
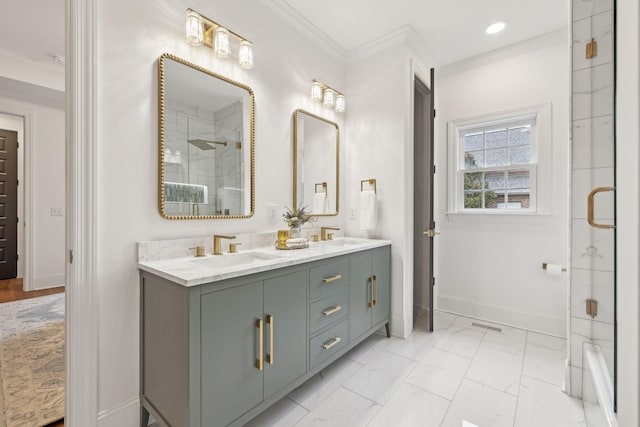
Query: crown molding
x,y
404,34
283,10
529,45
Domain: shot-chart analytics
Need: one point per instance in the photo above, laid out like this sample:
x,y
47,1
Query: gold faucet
x,y
323,232
217,250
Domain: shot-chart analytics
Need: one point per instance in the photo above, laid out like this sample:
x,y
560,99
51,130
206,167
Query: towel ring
x,y
323,185
371,181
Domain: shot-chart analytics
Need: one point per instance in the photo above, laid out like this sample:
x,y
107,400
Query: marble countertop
x,y
192,271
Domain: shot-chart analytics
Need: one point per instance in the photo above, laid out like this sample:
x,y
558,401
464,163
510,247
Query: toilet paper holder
x,y
544,267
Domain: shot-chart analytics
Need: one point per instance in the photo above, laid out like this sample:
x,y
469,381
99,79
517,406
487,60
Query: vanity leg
x,y
386,326
144,417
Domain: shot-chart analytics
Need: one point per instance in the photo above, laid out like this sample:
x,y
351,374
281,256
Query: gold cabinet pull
x,y
330,311
329,344
590,207
374,290
371,301
270,354
332,278
259,361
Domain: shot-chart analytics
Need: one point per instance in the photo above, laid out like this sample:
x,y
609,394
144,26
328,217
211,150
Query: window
x,y
495,163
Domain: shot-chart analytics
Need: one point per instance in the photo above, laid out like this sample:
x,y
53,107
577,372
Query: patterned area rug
x,y
32,361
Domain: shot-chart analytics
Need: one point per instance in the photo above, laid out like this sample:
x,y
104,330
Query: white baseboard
x,y
46,282
531,321
126,414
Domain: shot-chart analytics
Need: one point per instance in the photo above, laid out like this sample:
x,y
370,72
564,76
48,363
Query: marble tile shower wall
x,y
592,258
229,165
185,162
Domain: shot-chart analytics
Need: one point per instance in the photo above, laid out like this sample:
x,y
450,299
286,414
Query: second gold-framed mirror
x,y
316,163
206,143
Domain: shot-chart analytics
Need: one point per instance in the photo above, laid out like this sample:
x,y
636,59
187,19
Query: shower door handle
x,y
590,207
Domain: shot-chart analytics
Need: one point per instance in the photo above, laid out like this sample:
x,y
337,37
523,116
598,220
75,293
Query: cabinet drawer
x,y
328,278
328,343
328,310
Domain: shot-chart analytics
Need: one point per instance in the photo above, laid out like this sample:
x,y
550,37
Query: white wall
x,y
45,138
36,73
376,148
490,267
128,150
628,203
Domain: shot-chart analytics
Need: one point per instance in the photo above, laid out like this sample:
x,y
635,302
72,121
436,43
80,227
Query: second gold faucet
x,y
323,232
217,250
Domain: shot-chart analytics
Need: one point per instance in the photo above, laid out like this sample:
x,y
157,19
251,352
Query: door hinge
x,y
70,256
434,112
592,49
17,182
18,145
434,169
434,281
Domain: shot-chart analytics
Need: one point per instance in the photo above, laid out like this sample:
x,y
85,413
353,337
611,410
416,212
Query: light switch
x,y
56,212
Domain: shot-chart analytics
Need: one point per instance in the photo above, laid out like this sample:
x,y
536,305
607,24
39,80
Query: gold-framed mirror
x,y
316,162
206,143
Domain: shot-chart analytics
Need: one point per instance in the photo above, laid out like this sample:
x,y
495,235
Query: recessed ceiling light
x,y
58,58
495,28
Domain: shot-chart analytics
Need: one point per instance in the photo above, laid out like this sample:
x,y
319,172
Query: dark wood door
x,y
424,225
8,204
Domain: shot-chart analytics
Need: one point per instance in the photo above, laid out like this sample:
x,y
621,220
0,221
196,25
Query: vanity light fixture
x,y
194,31
201,30
328,96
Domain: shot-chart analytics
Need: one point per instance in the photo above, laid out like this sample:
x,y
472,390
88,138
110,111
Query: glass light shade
x,y
221,42
341,104
245,55
316,91
329,99
194,29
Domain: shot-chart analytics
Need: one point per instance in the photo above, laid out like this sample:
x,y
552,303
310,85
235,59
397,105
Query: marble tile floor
x,y
460,375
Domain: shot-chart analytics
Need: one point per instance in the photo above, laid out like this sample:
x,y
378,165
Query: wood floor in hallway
x,y
11,290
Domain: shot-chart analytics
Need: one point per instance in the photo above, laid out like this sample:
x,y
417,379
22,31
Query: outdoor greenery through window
x,y
497,166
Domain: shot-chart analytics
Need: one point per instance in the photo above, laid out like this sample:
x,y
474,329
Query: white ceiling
x,y
448,30
32,29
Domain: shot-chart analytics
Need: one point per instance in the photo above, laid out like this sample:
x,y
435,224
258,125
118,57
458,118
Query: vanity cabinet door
x,y
381,270
369,290
360,295
230,333
285,314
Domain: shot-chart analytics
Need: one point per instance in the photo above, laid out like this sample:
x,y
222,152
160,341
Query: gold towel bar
x,y
371,181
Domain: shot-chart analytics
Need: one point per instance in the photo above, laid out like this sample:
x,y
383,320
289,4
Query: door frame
x,y
81,400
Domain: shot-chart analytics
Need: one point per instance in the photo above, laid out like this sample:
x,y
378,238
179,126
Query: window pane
x,y
520,155
492,199
473,199
519,199
494,180
473,181
473,142
518,179
496,157
520,135
474,159
496,139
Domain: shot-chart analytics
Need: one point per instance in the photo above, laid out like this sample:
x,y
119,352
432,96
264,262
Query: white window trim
x,y
541,166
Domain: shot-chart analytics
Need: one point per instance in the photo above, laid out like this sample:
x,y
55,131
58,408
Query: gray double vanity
x,y
225,333
224,337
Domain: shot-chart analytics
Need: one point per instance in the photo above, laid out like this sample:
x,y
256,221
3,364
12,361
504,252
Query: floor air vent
x,y
491,328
